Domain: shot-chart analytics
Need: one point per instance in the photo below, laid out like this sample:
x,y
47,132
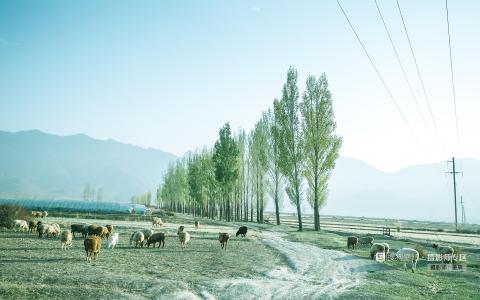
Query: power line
x,y
453,81
402,68
383,81
420,77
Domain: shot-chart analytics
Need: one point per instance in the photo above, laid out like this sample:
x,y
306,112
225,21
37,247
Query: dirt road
x,y
311,273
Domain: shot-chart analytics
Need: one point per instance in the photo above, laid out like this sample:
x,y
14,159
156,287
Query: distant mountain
x,y
423,192
34,163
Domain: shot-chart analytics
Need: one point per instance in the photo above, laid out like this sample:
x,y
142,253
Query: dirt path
x,y
311,273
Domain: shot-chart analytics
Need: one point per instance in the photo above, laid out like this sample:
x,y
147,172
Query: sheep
x,y
147,233
138,237
36,214
44,214
53,230
387,249
32,226
41,229
181,228
155,238
66,239
98,230
445,251
366,240
79,228
20,224
242,231
223,238
184,237
110,230
376,248
92,246
112,240
408,254
352,241
197,224
157,222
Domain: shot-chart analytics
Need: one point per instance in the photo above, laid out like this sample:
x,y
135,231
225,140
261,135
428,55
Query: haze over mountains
x,y
34,163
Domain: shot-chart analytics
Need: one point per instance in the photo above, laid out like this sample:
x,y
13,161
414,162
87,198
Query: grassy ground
x,y
395,283
33,268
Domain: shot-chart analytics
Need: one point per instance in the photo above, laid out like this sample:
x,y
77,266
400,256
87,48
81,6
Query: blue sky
x,y
168,74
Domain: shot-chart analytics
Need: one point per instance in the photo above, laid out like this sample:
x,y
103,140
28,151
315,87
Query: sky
x,y
169,74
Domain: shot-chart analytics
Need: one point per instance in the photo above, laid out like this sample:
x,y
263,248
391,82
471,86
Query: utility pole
x,y
454,173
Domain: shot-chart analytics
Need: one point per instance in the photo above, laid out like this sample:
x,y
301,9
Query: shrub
x,y
440,229
421,250
398,228
9,213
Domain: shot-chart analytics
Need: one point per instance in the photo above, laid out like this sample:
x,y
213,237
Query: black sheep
x,y
242,231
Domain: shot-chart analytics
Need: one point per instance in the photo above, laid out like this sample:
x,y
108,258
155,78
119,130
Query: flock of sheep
x,y
93,234
404,254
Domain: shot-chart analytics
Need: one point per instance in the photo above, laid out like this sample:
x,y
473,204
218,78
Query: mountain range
x,y
42,165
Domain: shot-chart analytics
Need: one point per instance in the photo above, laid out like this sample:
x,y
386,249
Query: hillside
x,y
46,165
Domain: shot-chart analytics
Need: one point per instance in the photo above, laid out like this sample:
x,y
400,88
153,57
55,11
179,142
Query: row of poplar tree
x,y
290,151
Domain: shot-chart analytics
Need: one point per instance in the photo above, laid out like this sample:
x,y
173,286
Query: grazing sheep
x,y
184,237
223,238
66,239
79,228
197,224
53,230
44,214
376,248
32,226
112,240
242,231
138,237
110,230
36,214
365,240
155,238
445,251
41,229
97,230
92,246
22,225
147,233
180,229
157,222
352,241
408,254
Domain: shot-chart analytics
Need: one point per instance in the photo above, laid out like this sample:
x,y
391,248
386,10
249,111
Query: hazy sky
x,y
168,74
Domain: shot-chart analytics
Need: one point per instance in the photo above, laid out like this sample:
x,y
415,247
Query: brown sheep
x,y
36,214
184,237
352,241
155,238
98,230
110,230
223,238
92,246
32,226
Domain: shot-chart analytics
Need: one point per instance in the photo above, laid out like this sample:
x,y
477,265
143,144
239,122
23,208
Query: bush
x,y
421,250
398,228
9,213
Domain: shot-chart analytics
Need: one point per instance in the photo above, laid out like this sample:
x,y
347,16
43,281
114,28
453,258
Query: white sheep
x,y
445,251
20,224
157,222
138,237
408,254
184,237
66,239
112,240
